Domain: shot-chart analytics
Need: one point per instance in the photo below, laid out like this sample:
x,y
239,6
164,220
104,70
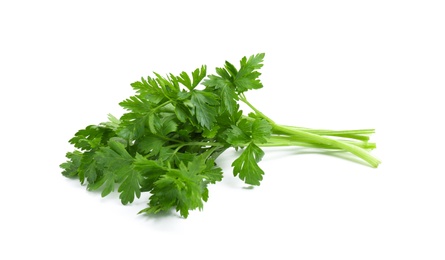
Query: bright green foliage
x,y
247,165
174,129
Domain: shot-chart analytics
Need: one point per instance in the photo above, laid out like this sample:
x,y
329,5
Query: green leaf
x,y
236,136
230,68
196,166
140,86
229,98
179,189
247,76
198,75
210,133
150,144
212,173
205,108
117,165
249,65
150,171
132,126
169,86
107,182
164,196
246,166
130,187
149,91
226,120
261,130
248,82
71,167
113,123
247,131
167,125
224,87
224,74
87,168
136,104
165,153
185,80
240,134
91,137
183,188
181,112
217,81
153,122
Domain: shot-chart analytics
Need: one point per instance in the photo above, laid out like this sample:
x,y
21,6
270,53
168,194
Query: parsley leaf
x,y
247,165
70,167
205,107
117,165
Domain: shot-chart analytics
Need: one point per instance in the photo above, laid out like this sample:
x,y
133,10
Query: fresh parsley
x,y
174,129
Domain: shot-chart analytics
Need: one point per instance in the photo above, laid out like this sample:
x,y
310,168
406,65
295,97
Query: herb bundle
x,y
174,129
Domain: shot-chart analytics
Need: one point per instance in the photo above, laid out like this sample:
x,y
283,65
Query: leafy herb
x,y
175,128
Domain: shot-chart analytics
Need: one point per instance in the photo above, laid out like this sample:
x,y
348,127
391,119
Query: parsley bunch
x,y
174,129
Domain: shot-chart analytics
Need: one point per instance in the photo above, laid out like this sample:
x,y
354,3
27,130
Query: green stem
x,y
202,144
359,134
330,132
280,140
259,113
314,138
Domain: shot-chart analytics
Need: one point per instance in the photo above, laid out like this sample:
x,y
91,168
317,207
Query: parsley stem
x,y
329,132
160,106
280,140
259,113
204,144
314,138
317,138
360,134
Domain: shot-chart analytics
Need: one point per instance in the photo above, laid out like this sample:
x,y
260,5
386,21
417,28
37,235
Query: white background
x,y
329,64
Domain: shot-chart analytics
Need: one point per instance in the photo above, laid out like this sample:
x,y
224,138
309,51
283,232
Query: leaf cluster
x,y
176,126
167,141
